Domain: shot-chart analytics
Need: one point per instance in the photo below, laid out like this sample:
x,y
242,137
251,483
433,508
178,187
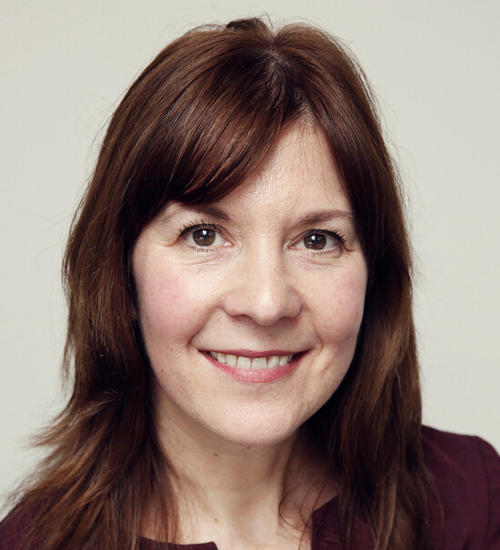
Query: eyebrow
x,y
214,212
209,210
322,216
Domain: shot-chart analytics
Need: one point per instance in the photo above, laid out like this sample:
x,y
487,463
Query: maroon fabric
x,y
467,475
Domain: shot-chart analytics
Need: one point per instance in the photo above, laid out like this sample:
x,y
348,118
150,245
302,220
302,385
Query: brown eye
x,y
315,241
319,240
204,236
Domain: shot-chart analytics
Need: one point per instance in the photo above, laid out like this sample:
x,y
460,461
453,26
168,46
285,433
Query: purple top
x,y
467,475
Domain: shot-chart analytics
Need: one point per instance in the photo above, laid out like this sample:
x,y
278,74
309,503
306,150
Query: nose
x,y
261,288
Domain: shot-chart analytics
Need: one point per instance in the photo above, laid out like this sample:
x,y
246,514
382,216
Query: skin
x,y
259,282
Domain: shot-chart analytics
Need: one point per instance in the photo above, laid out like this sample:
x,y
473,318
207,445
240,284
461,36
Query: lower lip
x,y
257,376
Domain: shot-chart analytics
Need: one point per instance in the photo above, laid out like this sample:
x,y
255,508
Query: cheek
x,y
337,316
339,311
162,301
170,315
172,306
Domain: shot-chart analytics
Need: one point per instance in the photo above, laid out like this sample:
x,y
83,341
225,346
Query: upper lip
x,y
253,354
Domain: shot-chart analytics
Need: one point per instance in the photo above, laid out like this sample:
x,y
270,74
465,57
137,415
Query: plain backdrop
x,y
435,68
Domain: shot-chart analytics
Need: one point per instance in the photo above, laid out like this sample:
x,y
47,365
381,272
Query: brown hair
x,y
199,119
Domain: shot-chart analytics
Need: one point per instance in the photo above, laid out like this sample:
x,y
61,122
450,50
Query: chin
x,y
261,432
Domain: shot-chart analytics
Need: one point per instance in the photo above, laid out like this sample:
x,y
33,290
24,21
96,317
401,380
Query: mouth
x,y
257,367
245,362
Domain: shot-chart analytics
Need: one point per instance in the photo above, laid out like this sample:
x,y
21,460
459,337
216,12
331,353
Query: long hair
x,y
196,123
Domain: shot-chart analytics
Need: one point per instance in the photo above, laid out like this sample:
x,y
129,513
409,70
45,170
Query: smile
x,y
243,362
255,367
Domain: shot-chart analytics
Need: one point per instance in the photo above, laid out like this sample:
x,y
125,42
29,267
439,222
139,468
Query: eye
x,y
203,236
320,240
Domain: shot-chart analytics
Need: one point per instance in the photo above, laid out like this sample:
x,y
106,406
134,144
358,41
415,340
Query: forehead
x,y
298,179
299,173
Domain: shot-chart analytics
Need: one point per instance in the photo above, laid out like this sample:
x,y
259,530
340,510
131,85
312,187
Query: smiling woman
x,y
240,333
243,290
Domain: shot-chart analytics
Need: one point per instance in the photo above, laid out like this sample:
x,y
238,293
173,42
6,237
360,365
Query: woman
x,y
240,330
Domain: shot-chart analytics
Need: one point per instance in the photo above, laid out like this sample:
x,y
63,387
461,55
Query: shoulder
x,y
466,473
461,458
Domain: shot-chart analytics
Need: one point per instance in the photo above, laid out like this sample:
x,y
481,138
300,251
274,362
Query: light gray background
x,y
435,67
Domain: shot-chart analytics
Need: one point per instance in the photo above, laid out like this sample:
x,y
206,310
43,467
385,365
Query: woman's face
x,y
250,306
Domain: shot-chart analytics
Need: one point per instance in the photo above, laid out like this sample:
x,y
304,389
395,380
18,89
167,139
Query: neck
x,y
223,476
223,487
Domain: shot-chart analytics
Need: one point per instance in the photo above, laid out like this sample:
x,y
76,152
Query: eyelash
x,y
193,226
333,233
198,225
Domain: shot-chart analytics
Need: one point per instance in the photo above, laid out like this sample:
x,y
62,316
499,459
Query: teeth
x,y
273,361
259,363
243,362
